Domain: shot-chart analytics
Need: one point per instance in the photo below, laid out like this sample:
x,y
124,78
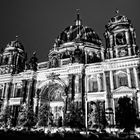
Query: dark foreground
x,y
24,135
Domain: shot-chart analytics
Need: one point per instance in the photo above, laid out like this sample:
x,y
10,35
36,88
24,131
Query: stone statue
x,y
33,62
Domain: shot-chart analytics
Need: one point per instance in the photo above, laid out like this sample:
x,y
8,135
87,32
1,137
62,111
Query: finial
x,y
117,11
34,53
54,45
17,37
78,14
78,21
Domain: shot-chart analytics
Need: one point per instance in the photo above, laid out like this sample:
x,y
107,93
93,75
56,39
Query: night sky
x,y
39,22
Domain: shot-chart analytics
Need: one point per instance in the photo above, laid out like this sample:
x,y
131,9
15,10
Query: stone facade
x,y
80,71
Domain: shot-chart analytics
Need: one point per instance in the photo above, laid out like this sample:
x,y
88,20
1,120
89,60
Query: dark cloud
x,y
39,22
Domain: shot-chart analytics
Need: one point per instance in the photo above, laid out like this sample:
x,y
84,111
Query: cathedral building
x,y
80,70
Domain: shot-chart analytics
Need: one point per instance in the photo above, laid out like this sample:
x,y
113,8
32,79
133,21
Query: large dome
x,y
78,32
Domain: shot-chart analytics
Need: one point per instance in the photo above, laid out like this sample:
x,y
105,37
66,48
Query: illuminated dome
x,y
78,32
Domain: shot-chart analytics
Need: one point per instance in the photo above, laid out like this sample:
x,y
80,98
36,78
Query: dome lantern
x,y
78,21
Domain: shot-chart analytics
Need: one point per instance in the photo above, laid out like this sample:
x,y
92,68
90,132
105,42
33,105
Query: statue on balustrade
x,y
33,62
54,62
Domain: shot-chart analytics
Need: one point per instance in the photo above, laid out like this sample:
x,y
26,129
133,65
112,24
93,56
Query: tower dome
x,y
13,57
120,37
117,20
14,45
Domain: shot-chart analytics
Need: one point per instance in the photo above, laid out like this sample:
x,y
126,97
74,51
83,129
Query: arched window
x,y
121,79
6,60
120,38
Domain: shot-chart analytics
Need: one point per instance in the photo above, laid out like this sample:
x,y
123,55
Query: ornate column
x,y
134,49
31,89
99,82
136,78
24,90
7,91
88,83
3,90
111,81
127,37
77,84
35,104
129,50
116,51
16,63
129,78
73,87
111,52
29,83
111,40
133,36
102,55
128,42
105,89
10,59
85,57
7,94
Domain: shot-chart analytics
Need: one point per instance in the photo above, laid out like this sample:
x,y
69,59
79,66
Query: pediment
x,y
124,89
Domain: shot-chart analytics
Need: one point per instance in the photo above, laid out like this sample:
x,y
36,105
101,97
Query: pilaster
x,y
129,78
136,78
99,82
111,81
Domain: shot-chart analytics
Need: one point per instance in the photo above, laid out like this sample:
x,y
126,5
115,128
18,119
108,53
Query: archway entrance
x,y
57,110
54,94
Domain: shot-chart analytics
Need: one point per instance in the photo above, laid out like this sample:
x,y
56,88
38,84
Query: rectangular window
x,y
90,85
95,86
18,92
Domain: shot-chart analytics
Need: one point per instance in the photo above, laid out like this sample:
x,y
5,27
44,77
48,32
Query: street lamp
x,y
85,98
86,118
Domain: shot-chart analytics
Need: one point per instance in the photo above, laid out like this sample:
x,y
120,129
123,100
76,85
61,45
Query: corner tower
x,y
12,58
120,37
